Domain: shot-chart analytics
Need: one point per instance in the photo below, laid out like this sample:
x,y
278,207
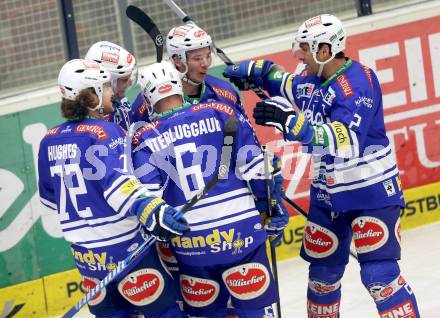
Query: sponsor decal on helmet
x,y
165,88
199,33
319,241
110,57
369,233
313,21
142,287
198,292
88,283
247,281
129,58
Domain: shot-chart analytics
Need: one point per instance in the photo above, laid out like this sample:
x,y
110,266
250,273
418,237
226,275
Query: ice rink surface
x,y
420,266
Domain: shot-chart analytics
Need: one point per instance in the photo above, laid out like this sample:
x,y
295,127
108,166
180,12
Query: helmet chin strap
x,y
184,76
321,64
99,107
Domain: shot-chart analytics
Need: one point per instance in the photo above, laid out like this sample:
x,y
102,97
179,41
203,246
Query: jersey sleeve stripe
x,y
116,184
48,204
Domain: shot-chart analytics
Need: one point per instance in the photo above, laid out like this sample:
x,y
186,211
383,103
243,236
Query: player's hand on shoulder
x,y
278,112
242,73
160,219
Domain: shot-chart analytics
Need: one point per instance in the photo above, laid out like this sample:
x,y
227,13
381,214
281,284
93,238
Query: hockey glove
x,y
160,219
278,112
275,224
240,74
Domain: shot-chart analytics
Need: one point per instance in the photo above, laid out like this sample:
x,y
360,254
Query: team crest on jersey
x,y
247,281
198,292
88,283
142,287
319,241
304,90
344,85
369,233
226,94
96,130
165,252
224,108
329,96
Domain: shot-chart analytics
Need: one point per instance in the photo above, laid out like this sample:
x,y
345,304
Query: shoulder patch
x,y
224,108
143,108
367,72
53,131
225,93
345,85
96,130
137,135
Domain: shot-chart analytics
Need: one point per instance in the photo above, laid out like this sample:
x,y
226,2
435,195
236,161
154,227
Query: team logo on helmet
x,y
369,233
319,241
142,287
247,281
88,283
198,292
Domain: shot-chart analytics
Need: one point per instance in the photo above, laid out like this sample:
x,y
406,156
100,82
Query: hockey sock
x,y
390,291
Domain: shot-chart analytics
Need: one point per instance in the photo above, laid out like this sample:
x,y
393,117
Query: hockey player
x,y
223,255
356,192
122,66
189,48
104,211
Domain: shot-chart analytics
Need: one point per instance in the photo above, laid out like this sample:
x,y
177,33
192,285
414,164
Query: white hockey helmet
x,y
117,60
186,38
159,80
79,74
325,28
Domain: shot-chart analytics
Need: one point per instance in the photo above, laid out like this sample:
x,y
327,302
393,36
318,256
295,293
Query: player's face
x,y
107,96
122,84
305,56
198,63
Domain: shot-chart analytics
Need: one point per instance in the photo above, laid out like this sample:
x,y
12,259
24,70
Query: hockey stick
x,y
230,130
273,254
221,54
299,210
146,23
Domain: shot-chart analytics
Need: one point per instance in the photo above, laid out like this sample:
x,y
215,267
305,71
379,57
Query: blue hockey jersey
x,y
213,89
84,176
178,153
354,167
122,113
